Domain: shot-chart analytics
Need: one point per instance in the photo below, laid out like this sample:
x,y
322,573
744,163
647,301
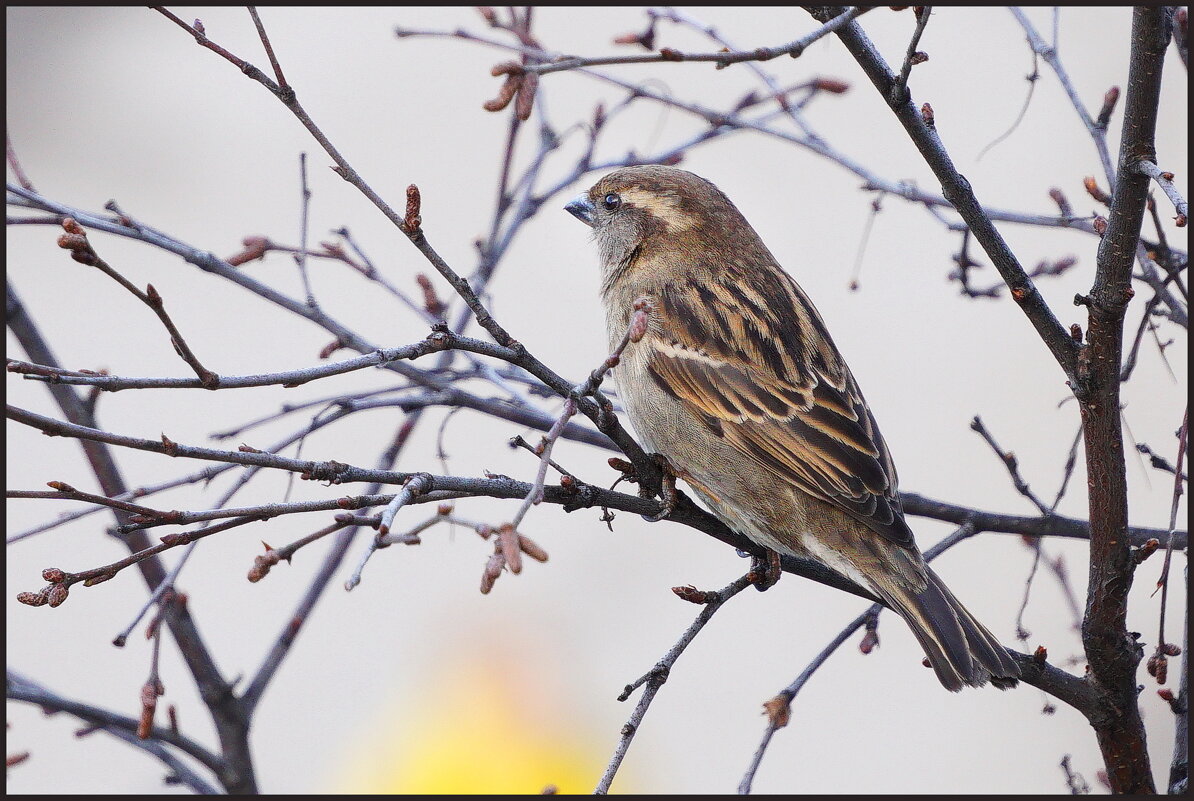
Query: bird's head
x,y
638,213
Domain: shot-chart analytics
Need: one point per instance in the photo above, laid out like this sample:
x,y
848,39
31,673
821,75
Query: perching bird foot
x,y
667,491
668,495
765,572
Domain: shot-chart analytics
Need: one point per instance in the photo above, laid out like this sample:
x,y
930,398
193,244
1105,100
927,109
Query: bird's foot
x,y
765,571
668,497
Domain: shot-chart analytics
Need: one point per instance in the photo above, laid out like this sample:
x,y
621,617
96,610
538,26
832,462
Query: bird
x,y
738,385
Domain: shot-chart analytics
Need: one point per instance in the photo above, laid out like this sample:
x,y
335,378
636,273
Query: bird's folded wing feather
x,y
774,386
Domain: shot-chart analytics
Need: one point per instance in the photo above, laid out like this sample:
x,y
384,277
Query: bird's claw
x,y
765,572
668,497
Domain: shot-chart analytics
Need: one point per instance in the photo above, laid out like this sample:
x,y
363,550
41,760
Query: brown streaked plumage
x,y
740,386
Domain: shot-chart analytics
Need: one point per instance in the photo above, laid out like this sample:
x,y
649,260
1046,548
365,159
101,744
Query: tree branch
x,y
958,192
20,688
215,691
655,678
1111,653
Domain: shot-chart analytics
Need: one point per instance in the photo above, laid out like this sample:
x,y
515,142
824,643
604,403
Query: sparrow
x,y
738,384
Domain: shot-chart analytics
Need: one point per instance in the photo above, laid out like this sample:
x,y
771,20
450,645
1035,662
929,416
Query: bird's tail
x,y
960,649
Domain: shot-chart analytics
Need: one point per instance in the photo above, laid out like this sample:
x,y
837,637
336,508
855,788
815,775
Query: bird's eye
x,y
611,202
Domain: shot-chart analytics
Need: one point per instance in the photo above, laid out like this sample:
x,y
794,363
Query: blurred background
x,y
415,682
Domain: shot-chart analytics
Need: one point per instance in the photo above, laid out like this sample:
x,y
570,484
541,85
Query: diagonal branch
x,y
20,688
655,678
1165,181
958,192
1097,130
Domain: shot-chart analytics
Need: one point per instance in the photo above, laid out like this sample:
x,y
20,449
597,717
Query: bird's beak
x,y
582,209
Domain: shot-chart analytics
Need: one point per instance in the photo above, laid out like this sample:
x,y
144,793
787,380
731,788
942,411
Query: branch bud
x,y
54,575
1109,101
505,94
831,85
56,596
1095,191
1158,667
412,222
526,96
508,540
693,595
32,598
493,569
778,711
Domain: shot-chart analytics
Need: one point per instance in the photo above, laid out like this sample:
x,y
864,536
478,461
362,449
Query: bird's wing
x,y
754,362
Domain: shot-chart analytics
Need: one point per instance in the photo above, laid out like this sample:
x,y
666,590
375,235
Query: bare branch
x,y
20,688
1098,132
912,56
216,692
75,240
1111,653
11,155
1165,181
779,707
1035,671
1163,582
721,59
654,679
1012,464
958,192
417,485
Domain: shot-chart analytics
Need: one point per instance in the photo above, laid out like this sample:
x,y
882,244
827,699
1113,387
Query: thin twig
x,y
1163,580
1012,464
912,56
783,699
535,496
1098,134
269,50
958,191
655,678
1023,634
434,343
300,258
416,486
1165,181
11,155
720,58
67,492
76,241
1133,353
778,708
20,688
318,585
1068,471
1032,78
